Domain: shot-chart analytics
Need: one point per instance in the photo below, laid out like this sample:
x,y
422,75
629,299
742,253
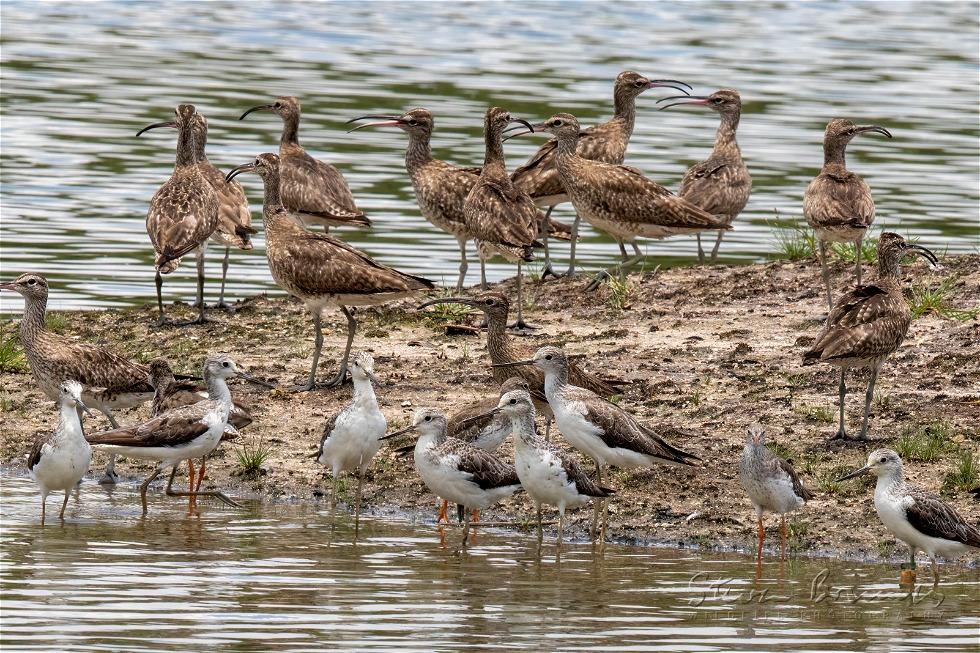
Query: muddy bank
x,y
708,350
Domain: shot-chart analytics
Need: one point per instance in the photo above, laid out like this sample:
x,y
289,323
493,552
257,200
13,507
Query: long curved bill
x,y
924,253
855,473
529,361
521,124
234,172
9,285
699,100
381,121
677,85
395,434
157,125
874,128
447,300
261,107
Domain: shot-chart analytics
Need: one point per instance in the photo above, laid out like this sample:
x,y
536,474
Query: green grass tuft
x,y
934,299
965,476
441,314
845,251
251,459
780,450
620,292
926,443
11,356
815,413
794,242
56,322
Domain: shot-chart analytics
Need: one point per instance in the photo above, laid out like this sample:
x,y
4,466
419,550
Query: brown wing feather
x,y
498,214
96,367
35,455
234,217
720,185
934,517
577,475
317,188
839,198
798,488
488,471
170,429
183,214
867,322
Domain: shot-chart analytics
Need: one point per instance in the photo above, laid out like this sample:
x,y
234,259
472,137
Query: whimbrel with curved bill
x,y
234,217
605,142
183,213
503,218
322,270
352,436
315,191
771,483
548,474
180,434
920,519
108,380
838,203
868,323
618,199
170,393
59,461
601,430
440,188
721,184
504,349
456,470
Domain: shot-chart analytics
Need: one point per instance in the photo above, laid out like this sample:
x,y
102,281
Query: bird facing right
x,y
920,519
838,203
771,483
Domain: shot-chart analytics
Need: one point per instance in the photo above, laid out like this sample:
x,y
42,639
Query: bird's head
x,y
417,122
29,285
286,107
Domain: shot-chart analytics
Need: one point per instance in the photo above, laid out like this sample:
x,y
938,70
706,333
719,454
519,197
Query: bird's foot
x,y
309,386
549,271
842,435
109,478
521,325
338,380
223,306
599,279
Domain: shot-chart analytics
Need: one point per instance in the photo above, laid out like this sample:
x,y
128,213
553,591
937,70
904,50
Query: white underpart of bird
x,y
355,437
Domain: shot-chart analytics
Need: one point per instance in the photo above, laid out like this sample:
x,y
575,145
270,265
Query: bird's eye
x,y
413,122
638,83
557,123
883,459
428,418
31,282
717,100
226,364
489,302
548,357
513,401
279,105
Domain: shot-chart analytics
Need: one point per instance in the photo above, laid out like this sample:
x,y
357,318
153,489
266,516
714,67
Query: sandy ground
x,y
709,350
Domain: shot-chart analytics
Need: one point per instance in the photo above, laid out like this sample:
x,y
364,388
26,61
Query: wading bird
x,y
920,519
771,483
322,270
868,324
60,460
838,203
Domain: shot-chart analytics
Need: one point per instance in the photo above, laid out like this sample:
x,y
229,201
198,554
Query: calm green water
x,y
80,79
294,579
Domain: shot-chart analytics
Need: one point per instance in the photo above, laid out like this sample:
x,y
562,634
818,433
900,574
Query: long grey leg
x,y
857,259
483,269
622,250
109,476
158,280
540,529
201,318
318,345
351,328
463,265
867,402
520,323
841,431
700,251
547,250
571,253
146,484
826,274
714,250
61,515
466,527
224,277
595,515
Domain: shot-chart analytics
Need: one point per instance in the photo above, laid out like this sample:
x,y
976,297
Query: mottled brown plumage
x,y
868,323
183,213
605,142
721,184
322,270
234,217
619,199
313,190
109,381
838,203
473,423
169,393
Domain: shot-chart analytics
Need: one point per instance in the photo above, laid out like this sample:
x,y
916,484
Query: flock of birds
x,y
456,455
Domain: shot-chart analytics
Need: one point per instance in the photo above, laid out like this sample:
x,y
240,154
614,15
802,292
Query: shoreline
x,y
707,350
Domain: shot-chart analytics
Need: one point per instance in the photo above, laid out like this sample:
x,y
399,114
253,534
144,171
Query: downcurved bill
x,y
466,301
478,418
700,100
677,85
919,250
874,128
381,121
261,107
234,172
156,125
521,124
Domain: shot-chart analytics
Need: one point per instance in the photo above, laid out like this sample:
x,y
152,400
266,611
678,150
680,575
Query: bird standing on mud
x,y
838,203
183,213
868,324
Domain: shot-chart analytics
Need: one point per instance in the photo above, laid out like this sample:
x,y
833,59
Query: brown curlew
x,y
868,323
183,213
605,142
838,203
721,184
322,270
313,190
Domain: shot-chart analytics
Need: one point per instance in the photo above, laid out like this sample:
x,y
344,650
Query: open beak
x,y
671,83
515,130
395,434
9,285
925,253
529,361
261,107
169,123
466,301
234,172
381,121
874,128
480,417
856,472
700,100
84,408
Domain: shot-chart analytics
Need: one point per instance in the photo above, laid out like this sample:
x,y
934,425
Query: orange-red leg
x,y
476,517
443,513
190,486
200,477
762,538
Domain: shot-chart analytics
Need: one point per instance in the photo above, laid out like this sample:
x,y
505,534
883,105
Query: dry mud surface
x,y
708,350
